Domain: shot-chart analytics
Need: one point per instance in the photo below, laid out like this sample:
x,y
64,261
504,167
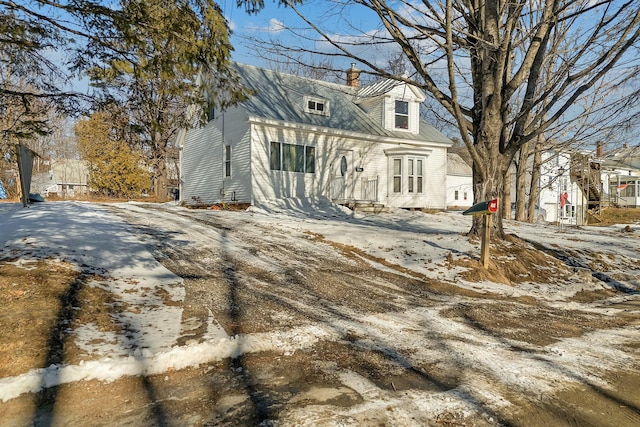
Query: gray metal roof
x,y
280,96
622,158
457,166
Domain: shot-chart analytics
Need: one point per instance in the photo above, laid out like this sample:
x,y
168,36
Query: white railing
x,y
370,189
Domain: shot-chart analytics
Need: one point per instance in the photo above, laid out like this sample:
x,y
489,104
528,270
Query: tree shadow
x,y
260,400
570,261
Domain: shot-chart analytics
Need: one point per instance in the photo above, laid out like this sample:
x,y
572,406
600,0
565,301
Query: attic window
x,y
402,115
316,105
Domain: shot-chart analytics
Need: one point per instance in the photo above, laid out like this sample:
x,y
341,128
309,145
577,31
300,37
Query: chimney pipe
x,y
353,76
599,149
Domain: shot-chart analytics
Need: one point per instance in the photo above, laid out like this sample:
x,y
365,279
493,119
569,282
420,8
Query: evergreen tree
x,y
114,168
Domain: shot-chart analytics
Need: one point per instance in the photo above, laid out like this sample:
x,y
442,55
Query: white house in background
x,y
66,177
621,176
459,182
298,137
561,193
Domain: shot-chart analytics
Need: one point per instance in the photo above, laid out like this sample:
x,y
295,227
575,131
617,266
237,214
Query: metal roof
x,y
457,166
280,97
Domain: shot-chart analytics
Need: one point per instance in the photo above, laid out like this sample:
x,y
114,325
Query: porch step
x,y
368,207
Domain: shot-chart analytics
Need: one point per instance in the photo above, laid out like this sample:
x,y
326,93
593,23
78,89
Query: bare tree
x,y
484,62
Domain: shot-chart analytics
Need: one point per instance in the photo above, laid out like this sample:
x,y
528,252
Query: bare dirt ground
x,y
326,284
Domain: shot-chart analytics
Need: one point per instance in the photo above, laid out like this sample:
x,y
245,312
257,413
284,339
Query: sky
x,y
93,239
270,22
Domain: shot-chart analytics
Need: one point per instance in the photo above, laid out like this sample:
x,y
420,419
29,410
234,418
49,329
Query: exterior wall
x,y
365,160
270,184
203,168
555,180
464,186
434,194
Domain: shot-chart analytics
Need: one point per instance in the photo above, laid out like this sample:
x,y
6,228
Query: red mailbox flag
x,y
493,205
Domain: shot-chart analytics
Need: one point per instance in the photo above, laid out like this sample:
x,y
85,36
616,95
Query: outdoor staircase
x,y
587,175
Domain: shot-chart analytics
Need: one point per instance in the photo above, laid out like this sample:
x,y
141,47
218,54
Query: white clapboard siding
x,y
270,184
203,162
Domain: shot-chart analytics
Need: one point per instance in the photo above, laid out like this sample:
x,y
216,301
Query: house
x,y
621,176
298,137
65,178
459,182
577,185
562,186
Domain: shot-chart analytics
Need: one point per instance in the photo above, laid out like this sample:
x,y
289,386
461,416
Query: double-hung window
x,y
397,175
227,160
414,175
402,115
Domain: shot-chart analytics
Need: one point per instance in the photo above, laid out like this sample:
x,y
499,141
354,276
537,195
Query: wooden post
x,y
485,209
484,248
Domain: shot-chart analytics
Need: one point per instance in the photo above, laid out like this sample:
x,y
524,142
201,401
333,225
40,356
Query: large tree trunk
x,y
534,191
505,201
493,170
160,179
521,183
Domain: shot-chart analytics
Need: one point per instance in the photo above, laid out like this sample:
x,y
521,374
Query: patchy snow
x,y
98,242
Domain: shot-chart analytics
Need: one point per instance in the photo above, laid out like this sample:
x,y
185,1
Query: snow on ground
x,y
96,241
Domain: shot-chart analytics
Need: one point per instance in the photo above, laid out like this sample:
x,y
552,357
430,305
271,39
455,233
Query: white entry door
x,y
342,180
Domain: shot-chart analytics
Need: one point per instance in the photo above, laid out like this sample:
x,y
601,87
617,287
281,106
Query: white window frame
x,y
307,161
312,103
227,160
415,174
403,115
398,177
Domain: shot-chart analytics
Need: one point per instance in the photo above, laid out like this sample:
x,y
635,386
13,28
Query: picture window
x,y
292,157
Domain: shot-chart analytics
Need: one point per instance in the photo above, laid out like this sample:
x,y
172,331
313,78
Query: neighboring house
x,y
459,182
66,177
298,137
621,176
576,185
561,191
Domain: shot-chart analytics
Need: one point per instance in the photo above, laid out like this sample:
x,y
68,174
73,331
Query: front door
x,y
342,180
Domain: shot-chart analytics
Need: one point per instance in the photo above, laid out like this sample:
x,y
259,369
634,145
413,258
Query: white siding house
x,y
66,177
459,182
621,176
298,137
561,194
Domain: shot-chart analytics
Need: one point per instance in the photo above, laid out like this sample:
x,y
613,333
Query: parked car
x,y
540,214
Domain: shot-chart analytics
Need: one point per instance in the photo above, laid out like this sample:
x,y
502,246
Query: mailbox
x,y
483,208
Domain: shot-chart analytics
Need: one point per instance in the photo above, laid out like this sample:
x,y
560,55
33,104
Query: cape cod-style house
x,y
299,137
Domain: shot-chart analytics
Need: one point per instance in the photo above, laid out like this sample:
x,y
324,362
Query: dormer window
x,y
316,105
402,115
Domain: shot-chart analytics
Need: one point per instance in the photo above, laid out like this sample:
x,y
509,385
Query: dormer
x,y
393,104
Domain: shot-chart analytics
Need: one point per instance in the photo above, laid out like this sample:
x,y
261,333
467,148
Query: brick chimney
x,y
599,149
353,76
